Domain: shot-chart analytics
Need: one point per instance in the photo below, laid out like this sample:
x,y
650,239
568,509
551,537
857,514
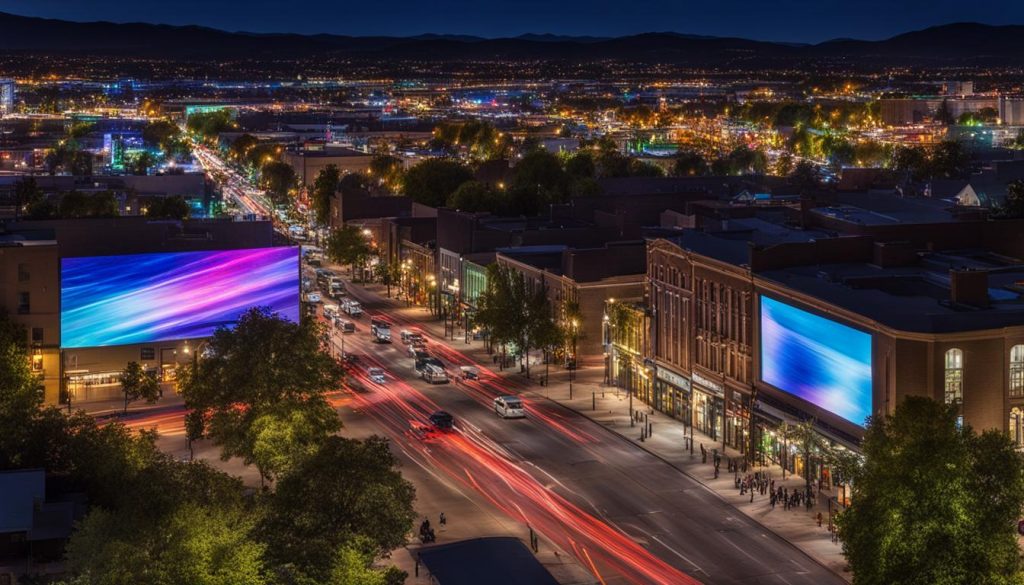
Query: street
x,y
623,513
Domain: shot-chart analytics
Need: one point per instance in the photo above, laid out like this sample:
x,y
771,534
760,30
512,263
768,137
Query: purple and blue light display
x,y
824,362
143,298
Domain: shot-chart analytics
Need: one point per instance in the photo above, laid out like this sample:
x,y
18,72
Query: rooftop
x,y
915,298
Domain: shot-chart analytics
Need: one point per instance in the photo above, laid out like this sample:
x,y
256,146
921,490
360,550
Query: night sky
x,y
781,20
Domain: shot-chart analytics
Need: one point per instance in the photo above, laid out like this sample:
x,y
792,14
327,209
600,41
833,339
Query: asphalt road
x,y
624,514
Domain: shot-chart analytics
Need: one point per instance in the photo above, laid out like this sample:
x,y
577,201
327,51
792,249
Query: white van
x,y
509,407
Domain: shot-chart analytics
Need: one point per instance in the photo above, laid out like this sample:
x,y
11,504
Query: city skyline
x,y
797,21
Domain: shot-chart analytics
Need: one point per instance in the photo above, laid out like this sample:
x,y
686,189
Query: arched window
x,y
1017,371
1016,427
954,376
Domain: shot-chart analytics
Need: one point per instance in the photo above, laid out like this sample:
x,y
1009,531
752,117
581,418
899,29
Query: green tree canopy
x,y
324,187
266,365
476,196
934,503
209,125
431,181
347,245
138,383
346,490
278,179
168,208
689,164
387,170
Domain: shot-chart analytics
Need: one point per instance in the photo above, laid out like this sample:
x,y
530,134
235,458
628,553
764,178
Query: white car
x,y
313,297
377,375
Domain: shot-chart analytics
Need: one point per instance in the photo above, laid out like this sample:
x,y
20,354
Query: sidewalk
x,y
609,407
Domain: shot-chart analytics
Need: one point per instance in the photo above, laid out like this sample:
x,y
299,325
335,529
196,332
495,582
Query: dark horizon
x,y
798,21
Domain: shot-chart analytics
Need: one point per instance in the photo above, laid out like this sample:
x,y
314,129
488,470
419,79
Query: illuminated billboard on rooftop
x,y
143,298
819,360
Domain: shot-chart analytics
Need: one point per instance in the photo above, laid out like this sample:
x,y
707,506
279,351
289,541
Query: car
x,y
417,338
434,373
414,348
404,334
420,354
377,375
469,372
442,421
345,325
314,297
509,407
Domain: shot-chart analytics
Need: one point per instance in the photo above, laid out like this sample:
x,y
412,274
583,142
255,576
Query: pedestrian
x,y
771,500
819,519
444,519
751,496
703,454
772,486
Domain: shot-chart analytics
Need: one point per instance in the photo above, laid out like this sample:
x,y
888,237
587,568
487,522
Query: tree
x,y
282,440
141,162
581,165
20,388
168,208
26,195
689,164
639,168
210,124
934,503
386,170
347,245
537,181
346,490
203,545
912,159
949,160
266,365
278,179
324,187
138,383
195,429
805,176
431,181
241,147
1013,207
476,196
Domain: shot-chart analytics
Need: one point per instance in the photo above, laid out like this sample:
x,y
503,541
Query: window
x,y
1015,429
954,379
37,336
24,303
23,273
1017,371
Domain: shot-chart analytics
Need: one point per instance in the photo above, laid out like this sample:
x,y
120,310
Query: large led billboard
x,y
143,298
824,362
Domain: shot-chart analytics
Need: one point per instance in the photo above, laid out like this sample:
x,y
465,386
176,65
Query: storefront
x,y
671,395
708,406
737,421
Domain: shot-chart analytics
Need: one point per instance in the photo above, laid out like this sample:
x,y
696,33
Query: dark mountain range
x,y
962,43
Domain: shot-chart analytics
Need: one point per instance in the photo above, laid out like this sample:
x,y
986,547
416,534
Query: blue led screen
x,y
819,360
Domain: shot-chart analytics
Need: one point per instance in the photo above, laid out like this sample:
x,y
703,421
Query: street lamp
x,y
572,369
